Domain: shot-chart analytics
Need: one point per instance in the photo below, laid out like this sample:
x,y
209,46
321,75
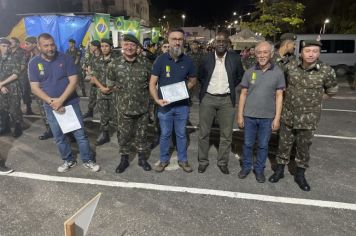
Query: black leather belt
x,y
219,95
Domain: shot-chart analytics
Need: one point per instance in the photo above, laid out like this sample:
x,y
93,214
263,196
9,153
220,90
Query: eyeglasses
x,y
165,46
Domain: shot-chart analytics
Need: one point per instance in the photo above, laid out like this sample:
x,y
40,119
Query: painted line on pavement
x,y
334,137
326,109
198,191
343,98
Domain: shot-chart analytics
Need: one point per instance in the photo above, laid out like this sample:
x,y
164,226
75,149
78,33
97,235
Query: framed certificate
x,y
175,92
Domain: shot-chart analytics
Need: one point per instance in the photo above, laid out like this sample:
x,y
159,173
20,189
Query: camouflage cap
x,y
108,41
307,43
288,36
4,41
71,40
131,38
31,39
95,43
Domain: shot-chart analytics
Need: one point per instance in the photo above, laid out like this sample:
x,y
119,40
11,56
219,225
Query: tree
x,y
275,17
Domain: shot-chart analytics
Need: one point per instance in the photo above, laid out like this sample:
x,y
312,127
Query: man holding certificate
x,y
53,78
172,75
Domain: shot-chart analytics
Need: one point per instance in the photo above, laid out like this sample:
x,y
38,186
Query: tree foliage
x,y
272,18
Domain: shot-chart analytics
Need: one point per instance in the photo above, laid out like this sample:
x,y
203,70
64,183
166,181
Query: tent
x,y
245,38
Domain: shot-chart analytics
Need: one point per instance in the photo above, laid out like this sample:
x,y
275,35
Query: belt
x,y
219,94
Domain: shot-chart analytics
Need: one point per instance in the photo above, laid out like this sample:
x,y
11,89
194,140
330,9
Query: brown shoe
x,y
185,166
161,166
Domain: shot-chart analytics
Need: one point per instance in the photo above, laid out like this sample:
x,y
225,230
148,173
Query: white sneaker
x,y
66,166
92,166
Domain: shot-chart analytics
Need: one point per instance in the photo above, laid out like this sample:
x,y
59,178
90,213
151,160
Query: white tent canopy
x,y
245,38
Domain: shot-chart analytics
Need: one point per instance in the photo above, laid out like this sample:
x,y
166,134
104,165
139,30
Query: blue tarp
x,y
62,28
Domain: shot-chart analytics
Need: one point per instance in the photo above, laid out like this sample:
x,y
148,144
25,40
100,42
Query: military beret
x,y
108,41
31,39
288,36
4,41
131,38
307,43
71,40
95,43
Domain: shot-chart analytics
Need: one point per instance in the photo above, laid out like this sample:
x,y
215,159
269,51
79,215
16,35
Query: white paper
x,y
68,121
175,92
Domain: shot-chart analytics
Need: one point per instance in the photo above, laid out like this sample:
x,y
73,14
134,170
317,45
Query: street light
x,y
234,13
325,22
183,18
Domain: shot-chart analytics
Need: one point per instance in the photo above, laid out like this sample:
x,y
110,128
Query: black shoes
x,y
244,173
202,168
224,170
88,115
103,138
260,177
144,164
17,131
278,174
124,163
46,135
299,178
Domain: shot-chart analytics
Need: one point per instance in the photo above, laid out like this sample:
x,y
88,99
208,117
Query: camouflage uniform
x,y
130,81
11,102
282,61
105,102
302,108
91,60
74,54
196,57
248,62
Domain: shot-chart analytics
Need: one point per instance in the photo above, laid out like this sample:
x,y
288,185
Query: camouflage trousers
x,y
25,88
302,139
92,97
11,103
108,114
132,131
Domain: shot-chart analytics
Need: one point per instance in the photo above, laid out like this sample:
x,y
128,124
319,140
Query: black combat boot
x,y
4,123
124,163
104,137
3,168
17,130
29,109
88,114
143,162
299,178
278,174
47,134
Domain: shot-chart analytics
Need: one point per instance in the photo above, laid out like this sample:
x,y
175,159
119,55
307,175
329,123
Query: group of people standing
x,y
278,92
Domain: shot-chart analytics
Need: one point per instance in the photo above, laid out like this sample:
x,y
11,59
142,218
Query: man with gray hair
x,y
260,108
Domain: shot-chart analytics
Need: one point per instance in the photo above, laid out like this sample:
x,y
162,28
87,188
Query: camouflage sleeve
x,y
330,83
110,75
16,69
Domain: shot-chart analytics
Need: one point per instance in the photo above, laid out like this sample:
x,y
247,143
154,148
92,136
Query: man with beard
x,y
219,74
171,68
53,78
309,81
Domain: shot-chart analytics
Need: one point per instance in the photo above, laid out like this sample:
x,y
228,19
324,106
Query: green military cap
x,y
31,39
288,36
4,41
71,40
95,43
307,43
131,38
108,41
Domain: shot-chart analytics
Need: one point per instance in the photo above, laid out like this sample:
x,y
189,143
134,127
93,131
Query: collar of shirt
x,y
271,66
220,58
171,58
314,66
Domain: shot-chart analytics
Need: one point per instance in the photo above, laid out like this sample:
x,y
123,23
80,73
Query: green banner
x,y
101,26
132,27
155,34
120,23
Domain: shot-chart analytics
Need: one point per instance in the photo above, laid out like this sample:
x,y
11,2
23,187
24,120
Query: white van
x,y
338,50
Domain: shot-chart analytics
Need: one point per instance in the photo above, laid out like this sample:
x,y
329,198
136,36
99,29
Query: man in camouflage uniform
x,y
20,56
128,77
250,60
285,51
89,61
105,99
309,81
75,54
196,55
10,94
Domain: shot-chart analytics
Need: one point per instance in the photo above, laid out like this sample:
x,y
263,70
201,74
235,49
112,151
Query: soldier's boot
x,y
104,137
17,130
124,163
4,123
278,174
143,162
47,134
88,114
29,109
299,178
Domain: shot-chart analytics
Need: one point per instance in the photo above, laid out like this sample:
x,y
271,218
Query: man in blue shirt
x,y
53,78
171,68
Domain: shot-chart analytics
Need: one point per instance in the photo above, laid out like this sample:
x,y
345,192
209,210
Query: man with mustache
x,y
219,74
53,78
170,68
